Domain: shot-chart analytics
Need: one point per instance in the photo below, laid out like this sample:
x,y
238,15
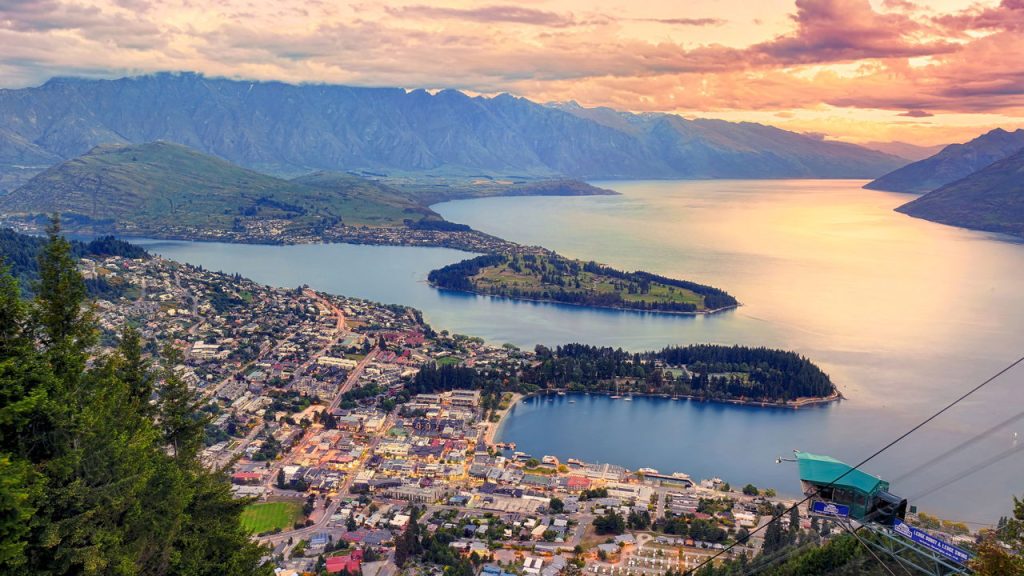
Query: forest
x,y
711,372
554,278
99,455
19,252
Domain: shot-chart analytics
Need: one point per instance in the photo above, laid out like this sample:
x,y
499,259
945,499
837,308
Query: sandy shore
x,y
492,427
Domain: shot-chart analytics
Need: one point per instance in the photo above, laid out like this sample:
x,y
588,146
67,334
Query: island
x,y
545,276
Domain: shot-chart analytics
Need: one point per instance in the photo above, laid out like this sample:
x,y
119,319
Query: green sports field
x,y
265,516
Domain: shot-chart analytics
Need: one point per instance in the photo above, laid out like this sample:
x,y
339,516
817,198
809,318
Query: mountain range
x,y
990,199
907,151
294,129
951,164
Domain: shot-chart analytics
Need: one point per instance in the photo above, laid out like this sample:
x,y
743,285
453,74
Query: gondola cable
x,y
971,470
959,447
903,436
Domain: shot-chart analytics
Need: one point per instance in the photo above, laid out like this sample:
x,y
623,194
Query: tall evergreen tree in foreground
x,y
99,471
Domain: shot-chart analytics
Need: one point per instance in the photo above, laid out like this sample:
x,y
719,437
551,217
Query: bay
x,y
904,314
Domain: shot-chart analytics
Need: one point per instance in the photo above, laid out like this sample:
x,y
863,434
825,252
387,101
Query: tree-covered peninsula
x,y
703,371
549,277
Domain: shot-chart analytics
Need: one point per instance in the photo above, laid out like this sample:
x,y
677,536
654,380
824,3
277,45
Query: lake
x,y
904,314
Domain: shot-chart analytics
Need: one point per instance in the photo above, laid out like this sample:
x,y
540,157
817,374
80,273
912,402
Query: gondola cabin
x,y
866,497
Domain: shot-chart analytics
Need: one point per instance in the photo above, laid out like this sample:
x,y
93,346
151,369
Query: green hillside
x,y
159,185
366,202
553,278
990,199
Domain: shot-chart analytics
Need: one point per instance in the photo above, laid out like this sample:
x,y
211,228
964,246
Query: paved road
x,y
350,381
353,377
321,524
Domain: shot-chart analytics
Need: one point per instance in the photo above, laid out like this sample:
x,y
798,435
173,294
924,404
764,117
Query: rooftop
x,y
818,469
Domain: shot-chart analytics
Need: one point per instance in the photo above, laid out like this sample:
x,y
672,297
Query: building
x,y
635,492
464,398
532,566
336,362
414,493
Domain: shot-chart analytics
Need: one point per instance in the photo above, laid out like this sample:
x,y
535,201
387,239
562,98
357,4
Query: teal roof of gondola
x,y
823,470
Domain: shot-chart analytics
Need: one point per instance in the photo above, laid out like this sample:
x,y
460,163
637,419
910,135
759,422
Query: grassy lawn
x,y
265,516
447,361
504,277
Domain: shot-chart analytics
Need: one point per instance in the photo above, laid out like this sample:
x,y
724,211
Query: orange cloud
x,y
902,61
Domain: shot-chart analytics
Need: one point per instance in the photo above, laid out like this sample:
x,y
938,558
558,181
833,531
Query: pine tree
x,y
64,325
773,538
178,410
134,370
86,482
794,525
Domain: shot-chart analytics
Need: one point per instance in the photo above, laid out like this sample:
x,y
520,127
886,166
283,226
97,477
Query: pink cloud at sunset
x,y
852,69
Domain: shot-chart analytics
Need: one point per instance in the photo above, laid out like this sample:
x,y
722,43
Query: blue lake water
x,y
904,314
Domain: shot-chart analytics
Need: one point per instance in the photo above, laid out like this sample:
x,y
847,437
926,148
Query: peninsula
x,y
165,190
548,277
735,374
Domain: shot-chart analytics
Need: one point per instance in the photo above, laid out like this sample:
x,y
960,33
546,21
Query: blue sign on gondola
x,y
925,539
830,509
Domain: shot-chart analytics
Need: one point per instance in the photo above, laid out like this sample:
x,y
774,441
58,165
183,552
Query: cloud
x,y
487,14
848,30
902,58
683,21
1007,16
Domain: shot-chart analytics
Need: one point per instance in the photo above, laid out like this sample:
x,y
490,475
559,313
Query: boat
x,y
628,398
561,393
615,397
572,401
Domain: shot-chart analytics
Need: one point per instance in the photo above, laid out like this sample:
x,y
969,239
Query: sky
x,y
927,72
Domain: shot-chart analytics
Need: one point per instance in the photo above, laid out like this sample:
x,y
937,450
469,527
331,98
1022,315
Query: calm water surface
x,y
904,314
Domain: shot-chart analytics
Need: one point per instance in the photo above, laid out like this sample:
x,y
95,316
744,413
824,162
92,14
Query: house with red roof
x,y
351,563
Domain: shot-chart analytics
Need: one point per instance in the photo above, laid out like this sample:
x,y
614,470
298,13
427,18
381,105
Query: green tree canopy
x,y
95,477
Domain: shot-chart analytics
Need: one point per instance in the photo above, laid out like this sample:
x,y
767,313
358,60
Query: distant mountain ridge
x,y
909,152
293,129
954,162
990,199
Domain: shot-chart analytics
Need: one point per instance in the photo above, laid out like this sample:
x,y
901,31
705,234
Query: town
x,y
313,415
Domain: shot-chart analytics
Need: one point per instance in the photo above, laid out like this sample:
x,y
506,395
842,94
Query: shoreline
x,y
591,306
801,402
493,427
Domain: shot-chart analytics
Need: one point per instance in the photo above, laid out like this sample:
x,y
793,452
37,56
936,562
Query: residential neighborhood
x,y
313,416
